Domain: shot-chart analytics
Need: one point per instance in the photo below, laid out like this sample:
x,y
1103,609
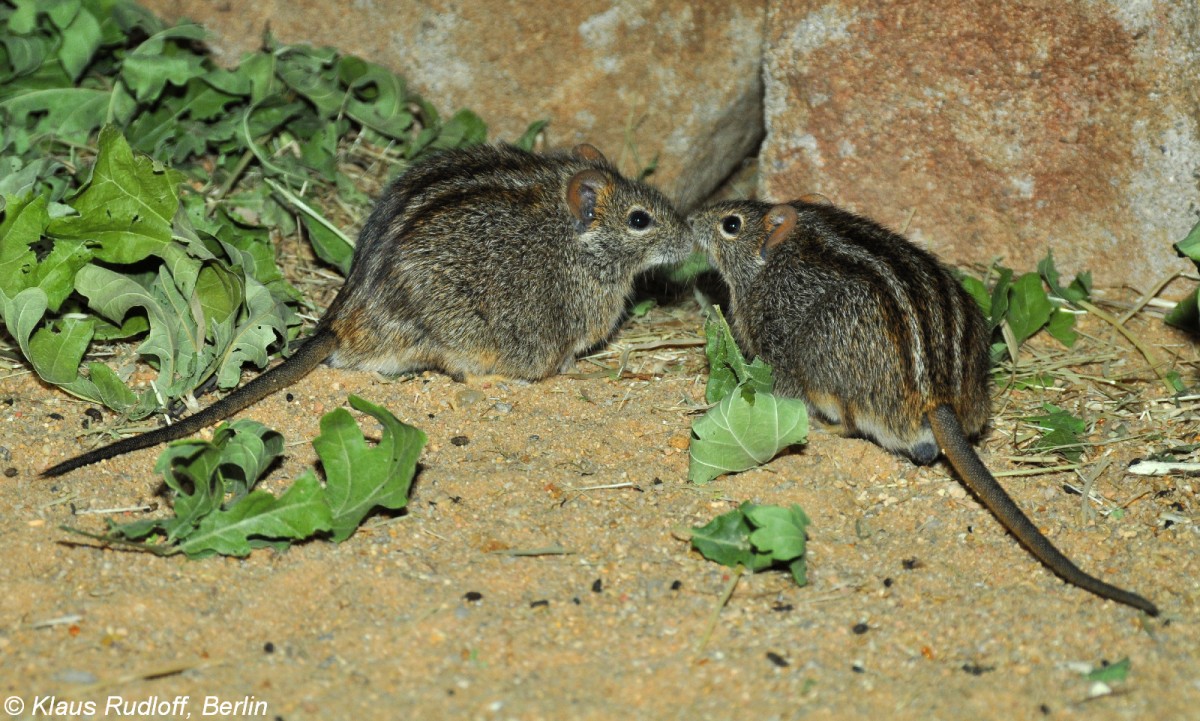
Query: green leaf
x,y
22,313
309,72
56,354
219,510
80,41
1000,293
23,221
328,246
1118,671
725,540
113,393
465,128
189,469
377,98
259,325
1185,313
1079,289
778,531
127,207
743,431
1190,245
1061,432
757,537
299,513
113,295
727,368
218,292
978,291
1029,307
68,113
529,137
153,64
360,479
687,271
1062,327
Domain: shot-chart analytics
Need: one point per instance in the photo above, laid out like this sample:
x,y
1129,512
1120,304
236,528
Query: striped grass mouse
x,y
483,260
876,336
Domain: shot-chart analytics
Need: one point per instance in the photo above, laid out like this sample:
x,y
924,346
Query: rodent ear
x,y
814,199
779,223
583,193
587,151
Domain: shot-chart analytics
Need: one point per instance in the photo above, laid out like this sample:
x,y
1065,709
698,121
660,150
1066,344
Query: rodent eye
x,y
639,220
731,225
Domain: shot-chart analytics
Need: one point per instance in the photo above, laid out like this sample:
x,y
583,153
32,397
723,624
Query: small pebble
x,y
56,416
504,407
460,441
860,628
10,472
676,585
473,596
268,647
94,414
5,454
598,585
76,677
778,660
468,396
540,604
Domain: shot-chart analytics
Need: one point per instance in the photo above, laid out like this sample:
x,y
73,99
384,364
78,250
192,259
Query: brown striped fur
x,y
875,334
487,260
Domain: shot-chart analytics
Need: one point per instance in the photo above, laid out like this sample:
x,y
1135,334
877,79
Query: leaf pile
x,y
100,243
749,425
1061,432
123,261
218,509
1018,308
1186,314
758,537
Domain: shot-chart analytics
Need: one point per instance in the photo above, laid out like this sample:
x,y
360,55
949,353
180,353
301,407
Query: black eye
x,y
640,220
731,224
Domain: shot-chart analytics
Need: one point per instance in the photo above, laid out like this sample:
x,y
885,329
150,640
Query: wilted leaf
x,y
743,431
360,479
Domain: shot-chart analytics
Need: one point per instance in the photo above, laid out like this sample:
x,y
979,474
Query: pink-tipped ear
x,y
587,151
583,193
780,222
814,199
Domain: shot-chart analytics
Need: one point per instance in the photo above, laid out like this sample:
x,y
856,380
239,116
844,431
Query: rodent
x,y
876,336
478,261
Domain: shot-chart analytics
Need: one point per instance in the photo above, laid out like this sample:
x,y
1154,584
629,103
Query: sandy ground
x,y
919,606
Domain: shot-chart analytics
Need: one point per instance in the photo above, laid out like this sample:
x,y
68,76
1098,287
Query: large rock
x,y
643,79
995,128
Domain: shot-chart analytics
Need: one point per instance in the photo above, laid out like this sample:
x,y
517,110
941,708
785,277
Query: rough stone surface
x,y
641,79
994,128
